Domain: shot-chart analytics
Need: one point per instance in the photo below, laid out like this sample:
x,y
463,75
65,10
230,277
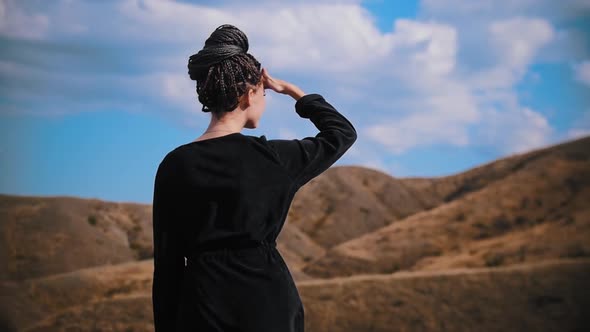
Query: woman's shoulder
x,y
235,140
230,141
263,145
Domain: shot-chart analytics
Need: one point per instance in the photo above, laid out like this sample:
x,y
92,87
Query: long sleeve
x,y
306,158
168,257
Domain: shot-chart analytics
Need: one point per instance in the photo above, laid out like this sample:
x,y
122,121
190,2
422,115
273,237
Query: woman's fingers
x,y
275,84
270,82
265,78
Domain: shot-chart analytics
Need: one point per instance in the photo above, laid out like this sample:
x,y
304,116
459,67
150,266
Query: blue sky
x,y
94,94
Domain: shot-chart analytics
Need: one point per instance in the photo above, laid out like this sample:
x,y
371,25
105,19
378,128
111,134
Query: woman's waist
x,y
230,244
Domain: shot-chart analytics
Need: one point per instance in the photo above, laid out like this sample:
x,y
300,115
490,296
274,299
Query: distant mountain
x,y
523,208
46,235
346,202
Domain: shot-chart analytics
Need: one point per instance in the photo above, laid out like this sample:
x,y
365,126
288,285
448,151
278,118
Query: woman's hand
x,y
272,83
281,86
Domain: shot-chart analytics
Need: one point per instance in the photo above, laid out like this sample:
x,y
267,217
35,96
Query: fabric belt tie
x,y
233,244
230,245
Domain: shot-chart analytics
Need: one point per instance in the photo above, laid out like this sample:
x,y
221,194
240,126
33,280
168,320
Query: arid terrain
x,y
504,246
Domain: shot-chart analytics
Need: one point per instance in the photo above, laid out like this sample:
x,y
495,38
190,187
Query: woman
x,y
221,200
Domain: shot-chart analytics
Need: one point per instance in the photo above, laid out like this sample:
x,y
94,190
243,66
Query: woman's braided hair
x,y
223,69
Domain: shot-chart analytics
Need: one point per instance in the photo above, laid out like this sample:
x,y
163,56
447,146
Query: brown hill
x,y
549,296
297,249
34,300
47,235
41,236
523,208
346,202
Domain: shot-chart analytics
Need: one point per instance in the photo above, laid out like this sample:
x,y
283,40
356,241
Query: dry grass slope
x,y
536,211
46,235
346,202
549,296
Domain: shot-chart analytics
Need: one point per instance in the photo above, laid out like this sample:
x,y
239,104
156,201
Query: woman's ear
x,y
245,99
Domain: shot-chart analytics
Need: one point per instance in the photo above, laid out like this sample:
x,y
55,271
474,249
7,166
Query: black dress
x,y
218,207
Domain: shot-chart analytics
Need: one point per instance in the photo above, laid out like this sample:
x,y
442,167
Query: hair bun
x,y
225,42
228,35
224,70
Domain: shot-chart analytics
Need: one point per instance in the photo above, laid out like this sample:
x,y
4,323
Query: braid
x,y
223,70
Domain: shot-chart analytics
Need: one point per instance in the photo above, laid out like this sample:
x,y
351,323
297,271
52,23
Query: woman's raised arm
x,y
306,158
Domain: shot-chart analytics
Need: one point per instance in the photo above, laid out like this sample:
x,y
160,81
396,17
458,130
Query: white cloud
x,y
419,55
377,164
429,81
582,72
429,46
569,40
287,133
515,131
578,133
308,34
169,20
418,130
370,156
558,10
448,103
514,52
517,40
442,113
15,22
581,126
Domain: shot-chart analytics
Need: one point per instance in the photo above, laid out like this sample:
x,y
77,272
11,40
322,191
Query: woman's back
x,y
227,188
238,187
